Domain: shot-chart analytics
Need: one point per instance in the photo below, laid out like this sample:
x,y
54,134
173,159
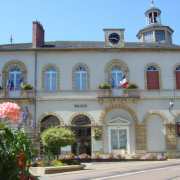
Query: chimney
x,y
38,34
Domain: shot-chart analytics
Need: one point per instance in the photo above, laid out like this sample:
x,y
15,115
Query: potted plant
x,y
136,156
27,87
150,156
1,88
119,156
131,86
104,86
96,134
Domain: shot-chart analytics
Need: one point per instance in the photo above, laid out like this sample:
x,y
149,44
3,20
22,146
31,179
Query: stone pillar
x,y
141,146
171,142
166,39
154,36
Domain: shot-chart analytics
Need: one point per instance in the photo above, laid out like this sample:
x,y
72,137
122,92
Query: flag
x,y
21,82
112,82
123,81
8,82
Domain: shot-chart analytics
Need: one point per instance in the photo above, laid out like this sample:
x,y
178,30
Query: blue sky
x,y
82,20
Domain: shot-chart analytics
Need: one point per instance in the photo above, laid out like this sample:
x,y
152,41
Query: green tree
x,y
56,137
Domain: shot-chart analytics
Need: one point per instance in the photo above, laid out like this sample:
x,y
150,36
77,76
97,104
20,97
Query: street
x,y
157,170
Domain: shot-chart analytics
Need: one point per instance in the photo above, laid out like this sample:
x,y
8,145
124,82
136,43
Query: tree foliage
x,y
57,137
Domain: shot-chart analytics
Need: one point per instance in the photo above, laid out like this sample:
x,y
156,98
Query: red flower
x,y
21,156
22,164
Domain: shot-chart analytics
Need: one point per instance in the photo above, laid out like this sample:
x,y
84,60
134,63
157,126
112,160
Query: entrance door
x,y
83,140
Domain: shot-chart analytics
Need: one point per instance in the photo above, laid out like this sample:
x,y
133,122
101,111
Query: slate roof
x,y
55,45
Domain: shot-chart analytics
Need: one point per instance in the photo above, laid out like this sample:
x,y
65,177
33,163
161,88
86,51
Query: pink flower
x,y
10,110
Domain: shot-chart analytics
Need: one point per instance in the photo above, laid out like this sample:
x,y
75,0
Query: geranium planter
x,y
55,169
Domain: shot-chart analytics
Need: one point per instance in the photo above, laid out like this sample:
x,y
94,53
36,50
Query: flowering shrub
x,y
16,149
104,86
136,156
131,86
27,87
8,111
96,134
111,156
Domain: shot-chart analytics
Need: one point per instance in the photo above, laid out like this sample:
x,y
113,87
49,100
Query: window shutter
x,y
178,79
152,80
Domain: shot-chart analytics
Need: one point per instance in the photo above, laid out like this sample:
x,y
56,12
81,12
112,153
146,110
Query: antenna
x,y
11,39
152,3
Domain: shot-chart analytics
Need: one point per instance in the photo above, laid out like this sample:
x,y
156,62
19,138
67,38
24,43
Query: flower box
x,y
104,86
131,86
27,87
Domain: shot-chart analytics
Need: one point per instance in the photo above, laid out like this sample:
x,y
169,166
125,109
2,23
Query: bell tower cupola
x,y
154,30
153,15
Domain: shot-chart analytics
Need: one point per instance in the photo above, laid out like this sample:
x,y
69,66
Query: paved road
x,y
156,170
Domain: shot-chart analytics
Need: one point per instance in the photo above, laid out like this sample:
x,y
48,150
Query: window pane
x,y
114,134
114,144
84,82
47,81
18,77
123,139
53,85
77,81
148,36
160,36
119,76
113,75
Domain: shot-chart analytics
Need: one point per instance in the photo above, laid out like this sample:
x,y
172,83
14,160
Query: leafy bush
x,y
56,137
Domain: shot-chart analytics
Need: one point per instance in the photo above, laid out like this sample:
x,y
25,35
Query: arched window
x,y
15,76
51,79
81,79
116,75
178,77
152,78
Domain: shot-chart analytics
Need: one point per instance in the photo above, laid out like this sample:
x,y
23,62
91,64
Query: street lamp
x,y
171,104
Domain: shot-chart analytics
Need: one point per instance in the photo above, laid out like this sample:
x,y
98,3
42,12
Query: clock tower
x,y
114,38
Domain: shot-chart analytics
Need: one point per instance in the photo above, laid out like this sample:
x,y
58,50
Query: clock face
x,y
114,38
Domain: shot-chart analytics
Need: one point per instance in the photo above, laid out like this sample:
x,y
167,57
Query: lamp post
x,y
171,104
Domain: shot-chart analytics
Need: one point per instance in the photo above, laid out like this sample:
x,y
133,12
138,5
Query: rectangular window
x,y
152,80
169,37
118,139
160,36
148,36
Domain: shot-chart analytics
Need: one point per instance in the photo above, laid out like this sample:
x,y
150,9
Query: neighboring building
x,y
66,76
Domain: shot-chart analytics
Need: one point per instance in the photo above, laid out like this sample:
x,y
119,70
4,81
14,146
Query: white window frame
x,y
15,73
81,72
51,72
116,72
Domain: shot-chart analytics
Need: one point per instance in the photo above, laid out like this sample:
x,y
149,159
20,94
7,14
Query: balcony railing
x,y
117,91
17,93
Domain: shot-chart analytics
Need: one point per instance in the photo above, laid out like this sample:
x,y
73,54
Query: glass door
x,y
83,140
